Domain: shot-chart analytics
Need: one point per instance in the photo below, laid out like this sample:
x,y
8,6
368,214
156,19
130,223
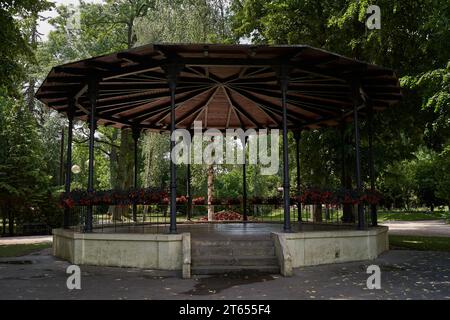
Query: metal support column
x,y
189,180
244,182
373,207
61,158
136,135
297,137
356,101
343,167
284,80
188,191
92,90
70,114
171,76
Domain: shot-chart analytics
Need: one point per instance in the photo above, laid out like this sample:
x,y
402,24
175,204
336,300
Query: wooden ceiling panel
x,y
225,86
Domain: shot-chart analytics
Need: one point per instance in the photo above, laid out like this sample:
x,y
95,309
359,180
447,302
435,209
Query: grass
x,y
411,215
17,250
419,243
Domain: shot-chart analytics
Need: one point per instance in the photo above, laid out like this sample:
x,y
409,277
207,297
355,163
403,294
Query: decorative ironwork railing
x,y
150,196
147,207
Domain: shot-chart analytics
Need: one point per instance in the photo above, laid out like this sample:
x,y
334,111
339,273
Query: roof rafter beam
x,y
261,70
238,115
142,115
124,106
164,112
65,80
289,97
306,97
194,110
104,104
342,116
269,105
137,58
272,114
197,108
240,109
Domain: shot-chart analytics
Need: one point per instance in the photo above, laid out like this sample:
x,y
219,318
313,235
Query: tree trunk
x,y
113,169
327,213
4,220
448,218
113,161
124,171
146,181
348,215
210,172
31,81
125,163
317,213
30,94
346,178
10,222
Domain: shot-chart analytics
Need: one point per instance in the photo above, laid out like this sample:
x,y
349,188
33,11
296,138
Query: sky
x,y
44,27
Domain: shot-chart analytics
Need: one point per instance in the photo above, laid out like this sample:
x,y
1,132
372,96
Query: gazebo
x,y
164,87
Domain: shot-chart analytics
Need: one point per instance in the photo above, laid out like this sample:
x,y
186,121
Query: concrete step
x,y
232,250
205,270
221,260
220,256
236,243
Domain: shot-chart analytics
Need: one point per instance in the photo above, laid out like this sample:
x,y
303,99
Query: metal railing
x,y
155,218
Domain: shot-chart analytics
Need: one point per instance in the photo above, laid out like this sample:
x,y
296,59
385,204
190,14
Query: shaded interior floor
x,y
225,230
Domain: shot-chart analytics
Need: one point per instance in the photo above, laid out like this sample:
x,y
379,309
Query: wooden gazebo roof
x,y
224,86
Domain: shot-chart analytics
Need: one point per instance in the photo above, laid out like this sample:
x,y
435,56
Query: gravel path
x,y
427,228
437,228
25,240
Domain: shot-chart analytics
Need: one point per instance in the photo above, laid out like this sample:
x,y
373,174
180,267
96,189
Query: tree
x,y
442,176
93,29
410,29
283,22
412,40
15,48
23,179
397,184
184,21
434,88
425,179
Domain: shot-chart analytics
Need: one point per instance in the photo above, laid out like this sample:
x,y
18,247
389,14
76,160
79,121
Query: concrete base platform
x,y
324,247
138,247
150,251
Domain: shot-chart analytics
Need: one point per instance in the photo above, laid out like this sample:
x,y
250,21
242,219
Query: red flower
x,y
199,201
181,200
224,216
69,203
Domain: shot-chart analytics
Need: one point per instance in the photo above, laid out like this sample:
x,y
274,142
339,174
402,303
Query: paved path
x,y
430,228
404,275
25,240
436,228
